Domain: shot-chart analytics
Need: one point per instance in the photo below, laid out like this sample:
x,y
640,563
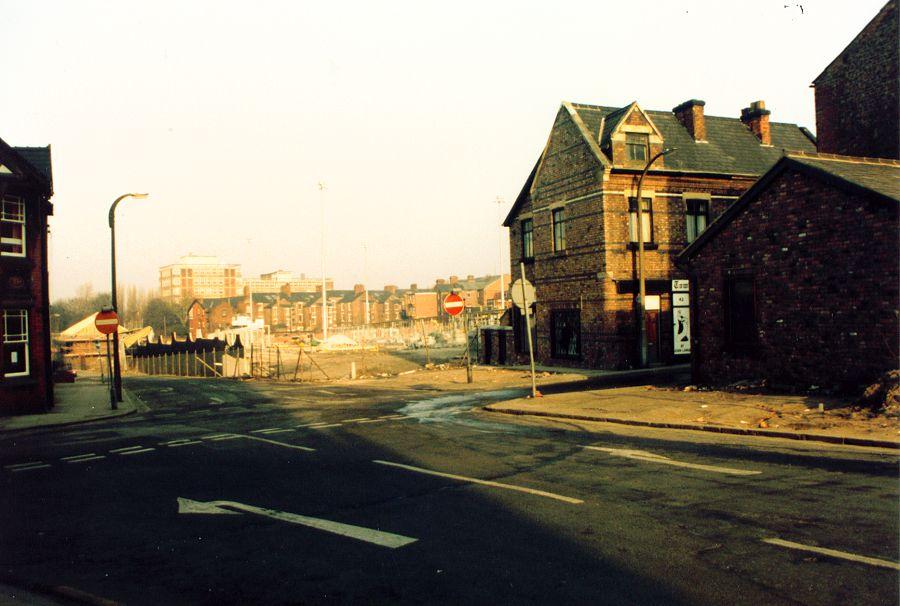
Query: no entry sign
x,y
106,321
453,304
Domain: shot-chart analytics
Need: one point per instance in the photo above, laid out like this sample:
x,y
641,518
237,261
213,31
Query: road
x,y
247,493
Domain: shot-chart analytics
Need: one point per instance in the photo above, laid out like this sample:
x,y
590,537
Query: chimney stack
x,y
414,287
391,289
690,114
454,280
756,117
440,281
470,278
358,289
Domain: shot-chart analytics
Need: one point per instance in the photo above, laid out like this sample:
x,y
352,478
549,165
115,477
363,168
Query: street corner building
x,y
575,223
26,186
798,282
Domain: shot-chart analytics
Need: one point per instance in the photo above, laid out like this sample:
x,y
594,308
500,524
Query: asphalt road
x,y
231,493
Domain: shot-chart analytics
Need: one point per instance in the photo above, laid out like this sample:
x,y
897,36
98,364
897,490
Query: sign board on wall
x,y
681,317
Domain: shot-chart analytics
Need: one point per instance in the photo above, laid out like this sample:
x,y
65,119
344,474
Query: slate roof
x,y
474,284
38,157
875,177
730,148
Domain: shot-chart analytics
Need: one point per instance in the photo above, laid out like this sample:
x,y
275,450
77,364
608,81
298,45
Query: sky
x,y
416,115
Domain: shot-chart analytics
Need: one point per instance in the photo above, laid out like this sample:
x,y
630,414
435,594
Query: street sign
x,y
106,321
453,304
515,292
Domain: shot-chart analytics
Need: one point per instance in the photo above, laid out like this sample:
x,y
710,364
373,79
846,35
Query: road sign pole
x,y
526,310
113,401
468,351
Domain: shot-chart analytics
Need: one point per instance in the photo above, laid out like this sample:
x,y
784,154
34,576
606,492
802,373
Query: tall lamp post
x,y
117,370
324,290
642,300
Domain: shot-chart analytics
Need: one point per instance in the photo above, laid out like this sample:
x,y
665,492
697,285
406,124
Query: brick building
x,y
26,185
857,105
799,281
574,224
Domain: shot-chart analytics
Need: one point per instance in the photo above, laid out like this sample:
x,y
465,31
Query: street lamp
x,y
324,291
642,300
117,370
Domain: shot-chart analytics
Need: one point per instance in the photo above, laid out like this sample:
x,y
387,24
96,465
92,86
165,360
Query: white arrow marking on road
x,y
360,533
649,457
835,553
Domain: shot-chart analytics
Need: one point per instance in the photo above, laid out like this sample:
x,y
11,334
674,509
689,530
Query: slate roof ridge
x,y
840,158
21,154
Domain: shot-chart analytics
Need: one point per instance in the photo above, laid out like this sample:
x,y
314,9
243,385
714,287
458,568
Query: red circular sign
x,y
106,322
454,304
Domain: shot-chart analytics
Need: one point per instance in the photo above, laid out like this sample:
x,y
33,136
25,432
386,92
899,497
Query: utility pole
x,y
324,286
502,288
639,214
365,279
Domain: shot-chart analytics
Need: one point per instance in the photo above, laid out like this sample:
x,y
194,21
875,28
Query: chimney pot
x,y
358,289
414,286
756,117
690,114
454,279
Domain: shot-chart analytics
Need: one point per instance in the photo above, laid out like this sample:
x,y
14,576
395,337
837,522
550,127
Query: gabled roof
x,y
883,17
32,161
730,147
871,176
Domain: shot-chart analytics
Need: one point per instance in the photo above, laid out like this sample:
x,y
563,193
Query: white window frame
x,y
16,218
17,339
691,216
646,216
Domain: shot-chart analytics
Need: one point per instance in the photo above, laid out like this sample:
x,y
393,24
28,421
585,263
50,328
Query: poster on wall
x,y
681,317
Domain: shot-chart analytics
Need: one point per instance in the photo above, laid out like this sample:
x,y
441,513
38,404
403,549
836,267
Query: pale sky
x,y
416,115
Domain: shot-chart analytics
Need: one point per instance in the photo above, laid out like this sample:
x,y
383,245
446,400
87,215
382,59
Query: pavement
x,y
85,400
796,417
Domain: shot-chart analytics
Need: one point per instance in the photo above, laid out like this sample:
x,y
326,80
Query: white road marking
x,y
354,420
76,457
326,426
312,424
227,437
391,417
30,468
284,444
133,452
185,443
264,430
371,421
17,465
540,493
86,459
213,436
220,400
649,457
360,533
834,553
118,450
271,431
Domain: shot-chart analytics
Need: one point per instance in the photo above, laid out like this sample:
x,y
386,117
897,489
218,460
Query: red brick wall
x,y
857,106
24,286
826,265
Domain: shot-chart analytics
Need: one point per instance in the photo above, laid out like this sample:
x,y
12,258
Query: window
x,y
520,337
12,227
740,313
565,333
638,146
646,219
697,215
527,239
559,229
15,343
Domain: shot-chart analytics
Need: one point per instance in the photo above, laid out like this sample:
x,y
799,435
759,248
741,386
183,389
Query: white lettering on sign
x,y
680,299
680,285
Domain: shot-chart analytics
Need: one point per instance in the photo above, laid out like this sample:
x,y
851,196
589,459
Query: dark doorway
x,y
651,322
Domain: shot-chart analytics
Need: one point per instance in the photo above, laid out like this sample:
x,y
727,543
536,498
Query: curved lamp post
x,y
117,370
639,208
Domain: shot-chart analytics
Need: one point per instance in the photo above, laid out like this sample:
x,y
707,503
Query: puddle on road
x,y
447,409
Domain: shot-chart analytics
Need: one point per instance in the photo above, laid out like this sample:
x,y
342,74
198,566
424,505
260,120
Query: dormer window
x,y
637,146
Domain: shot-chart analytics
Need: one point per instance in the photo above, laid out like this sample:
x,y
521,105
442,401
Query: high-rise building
x,y
273,282
199,276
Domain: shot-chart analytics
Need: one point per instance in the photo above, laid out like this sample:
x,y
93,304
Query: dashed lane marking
x,y
213,436
834,553
283,444
134,452
372,421
118,450
327,426
392,417
312,424
184,443
282,430
355,420
648,457
26,466
31,468
86,459
540,493
265,430
76,457
226,437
